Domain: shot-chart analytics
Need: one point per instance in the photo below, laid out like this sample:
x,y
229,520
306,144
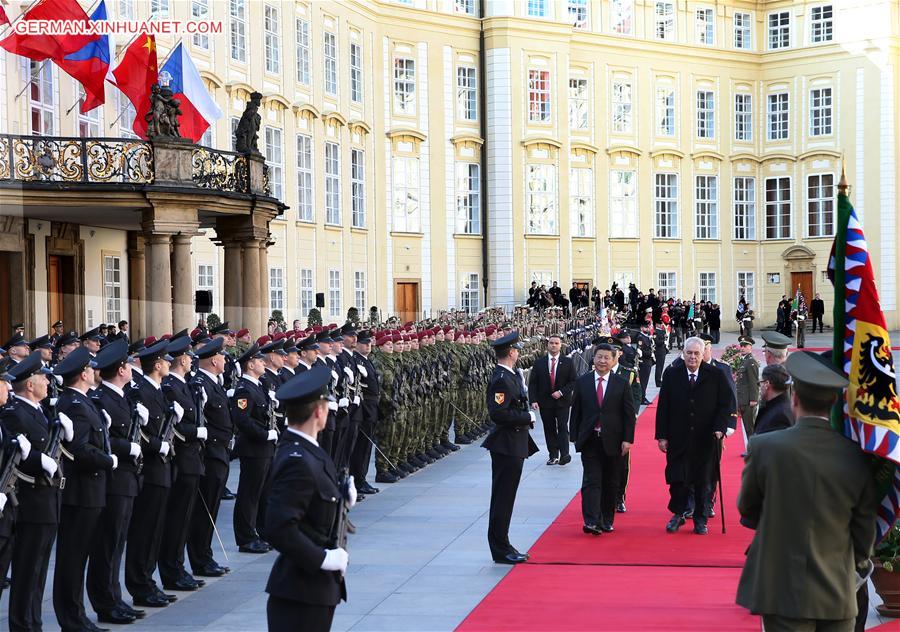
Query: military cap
x,y
242,332
180,346
509,340
308,386
210,348
157,350
335,335
66,339
290,346
15,341
221,328
113,354
19,326
180,334
58,323
251,354
262,341
275,346
149,341
349,329
775,340
323,336
776,375
364,337
746,340
815,370
136,347
308,343
75,363
93,334
26,368
706,337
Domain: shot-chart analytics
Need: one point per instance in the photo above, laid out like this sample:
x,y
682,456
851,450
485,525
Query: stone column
x,y
250,294
232,284
264,280
159,284
137,287
182,282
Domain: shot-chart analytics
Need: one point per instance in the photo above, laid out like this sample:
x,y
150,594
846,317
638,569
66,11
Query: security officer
x,y
509,443
306,499
92,339
660,349
16,349
645,358
775,350
747,384
370,388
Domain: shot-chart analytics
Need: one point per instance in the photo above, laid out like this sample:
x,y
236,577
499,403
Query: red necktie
x,y
599,423
553,375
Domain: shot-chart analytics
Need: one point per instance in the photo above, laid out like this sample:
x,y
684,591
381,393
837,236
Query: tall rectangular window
x,y
330,57
88,124
821,24
43,99
665,111
356,76
303,52
359,292
537,8
470,294
206,278
820,112
276,289
332,183
779,30
777,116
706,27
159,9
404,86
126,10
358,187
621,16
272,27
745,208
706,288
112,287
578,103
200,12
820,201
304,178
621,107
666,286
540,200
237,13
623,220
466,93
665,203
743,34
306,291
581,201
746,285
706,114
706,210
334,293
465,6
126,121
405,194
468,198
275,160
665,20
539,96
778,208
578,13
743,117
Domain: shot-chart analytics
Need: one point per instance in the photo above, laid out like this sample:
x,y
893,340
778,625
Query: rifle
x,y
135,437
197,392
10,473
55,451
167,433
341,522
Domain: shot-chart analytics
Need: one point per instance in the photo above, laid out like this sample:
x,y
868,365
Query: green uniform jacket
x,y
810,495
634,384
747,382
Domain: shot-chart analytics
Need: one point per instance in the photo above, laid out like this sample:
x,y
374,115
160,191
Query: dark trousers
x,y
199,543
284,615
506,471
326,440
715,335
179,511
680,493
600,483
624,474
144,536
250,487
816,319
76,527
348,441
660,365
362,451
107,547
644,374
556,430
30,560
6,549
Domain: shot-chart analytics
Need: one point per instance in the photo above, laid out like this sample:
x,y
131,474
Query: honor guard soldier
x,y
306,515
45,346
65,345
509,443
85,467
8,450
747,385
223,331
122,485
16,349
775,350
211,362
645,358
56,333
91,339
371,391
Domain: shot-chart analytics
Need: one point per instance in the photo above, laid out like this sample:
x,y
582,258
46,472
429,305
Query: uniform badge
x,y
242,403
499,398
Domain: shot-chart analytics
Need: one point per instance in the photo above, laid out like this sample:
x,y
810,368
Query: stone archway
x,y
799,271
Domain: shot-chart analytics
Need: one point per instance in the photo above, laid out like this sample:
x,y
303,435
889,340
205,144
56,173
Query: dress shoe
x,y
190,578
210,570
360,496
386,477
564,460
368,489
182,584
137,614
167,596
6,583
592,529
450,446
116,615
151,601
689,514
620,507
228,494
253,547
606,528
700,528
525,555
674,524
645,402
552,461
89,626
510,558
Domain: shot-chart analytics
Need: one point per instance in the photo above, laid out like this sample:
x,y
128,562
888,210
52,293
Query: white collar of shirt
x,y
695,374
271,370
598,377
551,358
77,390
308,366
115,389
304,435
250,379
513,371
332,357
177,377
28,401
614,367
214,378
152,381
136,369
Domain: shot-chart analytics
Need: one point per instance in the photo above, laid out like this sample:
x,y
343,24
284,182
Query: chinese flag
x,y
41,47
135,75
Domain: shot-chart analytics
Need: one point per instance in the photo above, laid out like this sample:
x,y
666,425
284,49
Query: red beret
x,y
263,340
383,340
242,332
151,340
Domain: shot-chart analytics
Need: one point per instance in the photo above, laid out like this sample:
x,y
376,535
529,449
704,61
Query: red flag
x,y
135,75
41,47
3,18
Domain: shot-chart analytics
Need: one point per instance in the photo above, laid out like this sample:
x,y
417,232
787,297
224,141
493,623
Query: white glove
x,y
58,379
349,373
24,445
143,413
53,402
351,492
335,560
362,371
334,375
108,419
48,465
729,432
68,427
134,449
273,435
164,448
179,410
202,433
861,577
343,402
332,406
203,397
2,501
533,416
230,393
115,461
356,400
272,397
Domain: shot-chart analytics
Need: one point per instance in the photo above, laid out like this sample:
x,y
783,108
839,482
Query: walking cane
x,y
719,476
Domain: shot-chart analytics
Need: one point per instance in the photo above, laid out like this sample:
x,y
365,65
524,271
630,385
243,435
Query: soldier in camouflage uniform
x,y
385,363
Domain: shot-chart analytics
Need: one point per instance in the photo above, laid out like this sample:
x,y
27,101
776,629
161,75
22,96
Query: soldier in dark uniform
x,y
323,342
65,345
230,374
45,346
92,339
307,579
16,349
645,359
371,391
509,443
660,350
122,486
56,333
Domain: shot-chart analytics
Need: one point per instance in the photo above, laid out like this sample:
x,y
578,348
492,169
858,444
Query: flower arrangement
x,y
733,357
888,550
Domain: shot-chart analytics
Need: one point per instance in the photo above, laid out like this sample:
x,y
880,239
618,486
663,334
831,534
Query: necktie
x,y
599,424
693,379
553,374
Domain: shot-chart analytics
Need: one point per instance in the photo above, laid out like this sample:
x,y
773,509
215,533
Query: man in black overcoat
x,y
550,385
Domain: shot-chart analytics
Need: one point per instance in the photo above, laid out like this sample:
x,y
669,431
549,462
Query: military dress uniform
x,y
645,362
371,392
747,388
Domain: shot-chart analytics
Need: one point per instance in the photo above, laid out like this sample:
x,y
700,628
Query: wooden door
x,y
406,300
805,281
55,298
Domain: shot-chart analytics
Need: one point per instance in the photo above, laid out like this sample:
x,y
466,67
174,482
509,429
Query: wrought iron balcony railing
x,y
220,170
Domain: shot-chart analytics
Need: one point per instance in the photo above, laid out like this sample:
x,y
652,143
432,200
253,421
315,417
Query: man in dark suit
x,y
694,409
603,420
509,443
550,387
775,413
645,358
817,310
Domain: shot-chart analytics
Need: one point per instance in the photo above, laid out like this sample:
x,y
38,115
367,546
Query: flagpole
x,y
34,75
80,99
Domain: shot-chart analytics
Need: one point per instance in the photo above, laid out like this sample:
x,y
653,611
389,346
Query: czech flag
x,y
41,47
91,65
199,111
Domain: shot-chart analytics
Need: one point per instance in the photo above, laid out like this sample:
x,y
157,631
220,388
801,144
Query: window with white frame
x,y
304,178
332,183
666,285
623,220
206,279
404,86
112,287
820,112
359,291
542,277
746,286
537,8
821,24
356,76
306,291
779,30
706,288
743,117
470,294
43,99
706,27
621,107
621,16
777,116
330,58
234,125
539,96
275,160
88,123
334,293
744,208
581,201
302,27
200,12
468,198
358,187
541,205
208,138
405,194
126,120
465,6
820,205
665,111
665,20
706,114
665,203
159,9
706,207
743,33
237,14
466,93
578,103
271,26
276,289
623,278
126,10
778,208
578,13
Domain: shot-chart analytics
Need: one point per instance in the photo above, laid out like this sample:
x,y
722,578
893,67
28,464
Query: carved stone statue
x,y
246,136
162,119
